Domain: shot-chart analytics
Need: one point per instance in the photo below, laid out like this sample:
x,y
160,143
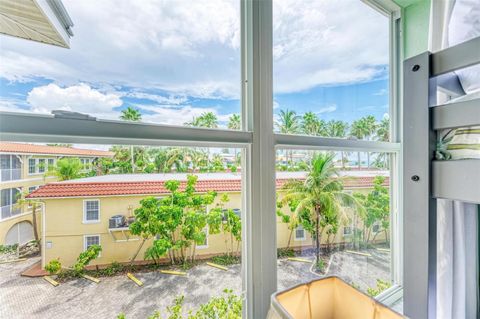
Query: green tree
x,y
288,123
68,168
176,221
338,129
234,122
376,209
131,114
312,125
320,198
30,203
206,119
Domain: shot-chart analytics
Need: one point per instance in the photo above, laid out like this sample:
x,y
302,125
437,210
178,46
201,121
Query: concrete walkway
x,y
23,297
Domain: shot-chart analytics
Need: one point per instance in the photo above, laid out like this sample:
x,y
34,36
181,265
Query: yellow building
x,y
97,210
23,169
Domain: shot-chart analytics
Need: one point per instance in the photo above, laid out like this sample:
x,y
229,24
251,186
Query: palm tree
x,y
206,119
288,123
33,204
383,130
234,122
133,115
337,129
310,124
67,168
360,129
320,197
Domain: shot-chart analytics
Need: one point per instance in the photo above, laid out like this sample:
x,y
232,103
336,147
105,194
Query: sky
x,y
176,60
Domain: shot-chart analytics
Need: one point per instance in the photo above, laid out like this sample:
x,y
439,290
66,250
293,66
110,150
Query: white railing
x,y
10,174
9,211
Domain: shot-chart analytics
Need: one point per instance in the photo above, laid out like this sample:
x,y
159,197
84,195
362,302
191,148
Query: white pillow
x,y
465,25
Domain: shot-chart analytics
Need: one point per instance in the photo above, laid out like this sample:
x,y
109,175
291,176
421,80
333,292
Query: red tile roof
x,y
20,148
91,189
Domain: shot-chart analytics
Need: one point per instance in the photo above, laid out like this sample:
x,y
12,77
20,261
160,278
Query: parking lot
x,y
24,297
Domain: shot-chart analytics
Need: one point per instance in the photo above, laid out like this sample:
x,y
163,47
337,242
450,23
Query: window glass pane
x,y
41,165
154,61
132,193
331,69
345,214
31,166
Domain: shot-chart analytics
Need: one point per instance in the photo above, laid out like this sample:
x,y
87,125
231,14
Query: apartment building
x,y
24,167
97,210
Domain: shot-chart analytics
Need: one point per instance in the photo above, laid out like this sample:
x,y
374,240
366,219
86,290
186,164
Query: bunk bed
x,y
427,178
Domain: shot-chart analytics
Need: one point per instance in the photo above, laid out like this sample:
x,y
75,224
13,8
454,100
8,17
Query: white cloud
x,y
191,48
79,98
381,92
167,100
324,42
328,109
171,116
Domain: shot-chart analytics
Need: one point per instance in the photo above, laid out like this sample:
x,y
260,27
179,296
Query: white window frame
x,y
34,166
350,233
257,140
304,237
206,239
89,236
85,221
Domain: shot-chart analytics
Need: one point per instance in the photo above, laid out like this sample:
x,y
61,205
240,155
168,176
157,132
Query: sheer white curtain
x,y
452,22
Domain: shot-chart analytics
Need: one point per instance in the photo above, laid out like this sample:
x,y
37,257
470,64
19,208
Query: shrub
x,y
226,260
8,248
53,266
320,265
86,257
285,252
112,269
381,286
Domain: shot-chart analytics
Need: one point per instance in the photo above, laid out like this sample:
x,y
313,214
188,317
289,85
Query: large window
x,y
91,211
198,77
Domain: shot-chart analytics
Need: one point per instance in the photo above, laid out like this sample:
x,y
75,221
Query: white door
x,y
20,233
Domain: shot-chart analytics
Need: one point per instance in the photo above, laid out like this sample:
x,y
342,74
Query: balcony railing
x,y
9,211
10,174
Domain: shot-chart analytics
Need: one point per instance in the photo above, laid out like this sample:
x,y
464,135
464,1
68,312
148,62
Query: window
x,y
10,168
347,231
9,199
41,165
86,163
32,166
51,163
91,211
90,240
300,233
205,242
196,78
356,202
32,188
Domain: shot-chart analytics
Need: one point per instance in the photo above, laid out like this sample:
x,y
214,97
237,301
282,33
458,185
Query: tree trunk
x,y
368,159
132,160
138,250
317,240
359,163
289,238
34,222
343,159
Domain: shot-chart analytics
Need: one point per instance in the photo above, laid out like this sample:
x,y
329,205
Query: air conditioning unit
x,y
117,221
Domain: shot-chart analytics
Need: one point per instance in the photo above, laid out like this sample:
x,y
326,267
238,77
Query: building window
x,y
86,163
41,165
90,240
347,231
91,212
32,167
32,188
51,163
300,234
205,243
9,198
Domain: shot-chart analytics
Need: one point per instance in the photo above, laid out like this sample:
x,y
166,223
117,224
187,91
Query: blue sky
x,y
175,62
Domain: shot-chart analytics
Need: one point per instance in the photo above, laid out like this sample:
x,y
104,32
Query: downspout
x,y
44,222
